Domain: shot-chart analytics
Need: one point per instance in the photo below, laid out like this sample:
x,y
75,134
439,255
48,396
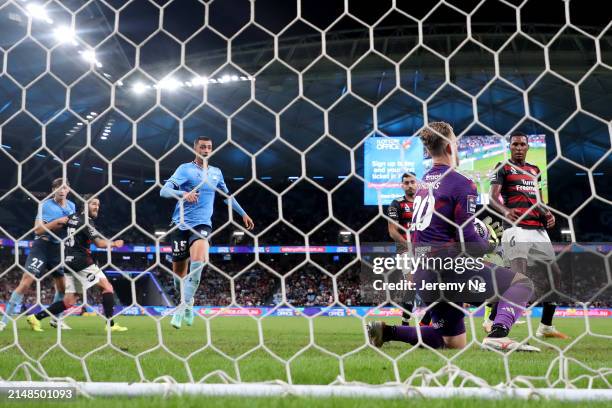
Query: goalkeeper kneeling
x,y
445,291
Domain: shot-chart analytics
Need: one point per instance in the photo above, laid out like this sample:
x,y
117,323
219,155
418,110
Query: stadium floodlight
x,y
65,34
199,80
160,233
234,77
38,12
90,56
169,83
225,78
566,231
139,87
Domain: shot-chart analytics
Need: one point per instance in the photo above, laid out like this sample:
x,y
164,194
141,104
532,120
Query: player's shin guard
x,y
55,309
429,335
513,302
108,304
13,304
193,280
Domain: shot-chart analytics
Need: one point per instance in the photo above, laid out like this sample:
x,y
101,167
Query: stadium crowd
x,y
256,286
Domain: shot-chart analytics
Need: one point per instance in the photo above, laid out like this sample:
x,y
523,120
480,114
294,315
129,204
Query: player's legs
x,y
108,303
180,262
36,266
199,258
16,298
188,245
448,330
58,306
60,290
542,250
516,289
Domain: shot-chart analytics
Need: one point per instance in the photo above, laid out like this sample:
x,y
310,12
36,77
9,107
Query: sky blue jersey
x,y
49,210
188,177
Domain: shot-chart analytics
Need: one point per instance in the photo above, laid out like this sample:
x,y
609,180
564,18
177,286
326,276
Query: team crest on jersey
x,y
513,170
204,233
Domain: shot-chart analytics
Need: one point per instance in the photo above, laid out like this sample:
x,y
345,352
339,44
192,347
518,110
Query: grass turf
x,y
137,355
294,402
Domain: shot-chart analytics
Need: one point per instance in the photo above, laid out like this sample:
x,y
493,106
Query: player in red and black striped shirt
x,y
516,194
400,212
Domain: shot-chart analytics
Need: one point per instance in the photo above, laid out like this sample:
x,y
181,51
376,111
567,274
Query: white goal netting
x,y
110,95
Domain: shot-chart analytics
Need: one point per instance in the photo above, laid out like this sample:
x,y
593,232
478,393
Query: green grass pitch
x,y
235,336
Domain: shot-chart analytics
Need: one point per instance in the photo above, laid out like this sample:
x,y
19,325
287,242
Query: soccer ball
x,y
481,229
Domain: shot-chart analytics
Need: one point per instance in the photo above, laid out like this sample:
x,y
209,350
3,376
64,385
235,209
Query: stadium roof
x,y
500,104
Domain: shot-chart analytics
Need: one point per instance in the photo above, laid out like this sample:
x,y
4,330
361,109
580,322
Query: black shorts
x,y
44,256
182,239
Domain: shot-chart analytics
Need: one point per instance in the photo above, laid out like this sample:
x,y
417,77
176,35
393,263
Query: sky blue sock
x,y
192,281
177,284
58,296
13,304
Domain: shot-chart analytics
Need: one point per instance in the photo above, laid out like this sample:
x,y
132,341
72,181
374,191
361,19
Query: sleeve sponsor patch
x,y
471,204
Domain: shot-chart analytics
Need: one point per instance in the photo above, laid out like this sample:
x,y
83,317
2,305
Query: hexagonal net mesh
x,y
295,96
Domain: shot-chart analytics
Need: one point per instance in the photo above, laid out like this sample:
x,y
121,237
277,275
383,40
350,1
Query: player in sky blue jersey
x,y
45,254
194,185
444,210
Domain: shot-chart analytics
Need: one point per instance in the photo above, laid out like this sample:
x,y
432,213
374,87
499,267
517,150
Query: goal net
x,y
307,103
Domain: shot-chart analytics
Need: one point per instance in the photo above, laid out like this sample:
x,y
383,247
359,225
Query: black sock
x,y
108,302
426,319
493,311
499,331
55,309
548,311
407,313
388,332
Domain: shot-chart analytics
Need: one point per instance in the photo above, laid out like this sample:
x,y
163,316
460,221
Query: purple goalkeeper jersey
x,y
453,196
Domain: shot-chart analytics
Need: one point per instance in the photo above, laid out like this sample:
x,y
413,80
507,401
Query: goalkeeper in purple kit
x,y
444,211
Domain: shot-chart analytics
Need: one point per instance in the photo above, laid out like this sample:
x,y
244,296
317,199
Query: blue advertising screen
x,y
385,160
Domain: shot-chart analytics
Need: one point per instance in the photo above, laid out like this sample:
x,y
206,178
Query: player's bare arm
x,y
248,222
40,227
105,243
548,215
395,232
511,214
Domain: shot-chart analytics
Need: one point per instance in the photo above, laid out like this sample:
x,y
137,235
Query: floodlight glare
x,y
38,11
